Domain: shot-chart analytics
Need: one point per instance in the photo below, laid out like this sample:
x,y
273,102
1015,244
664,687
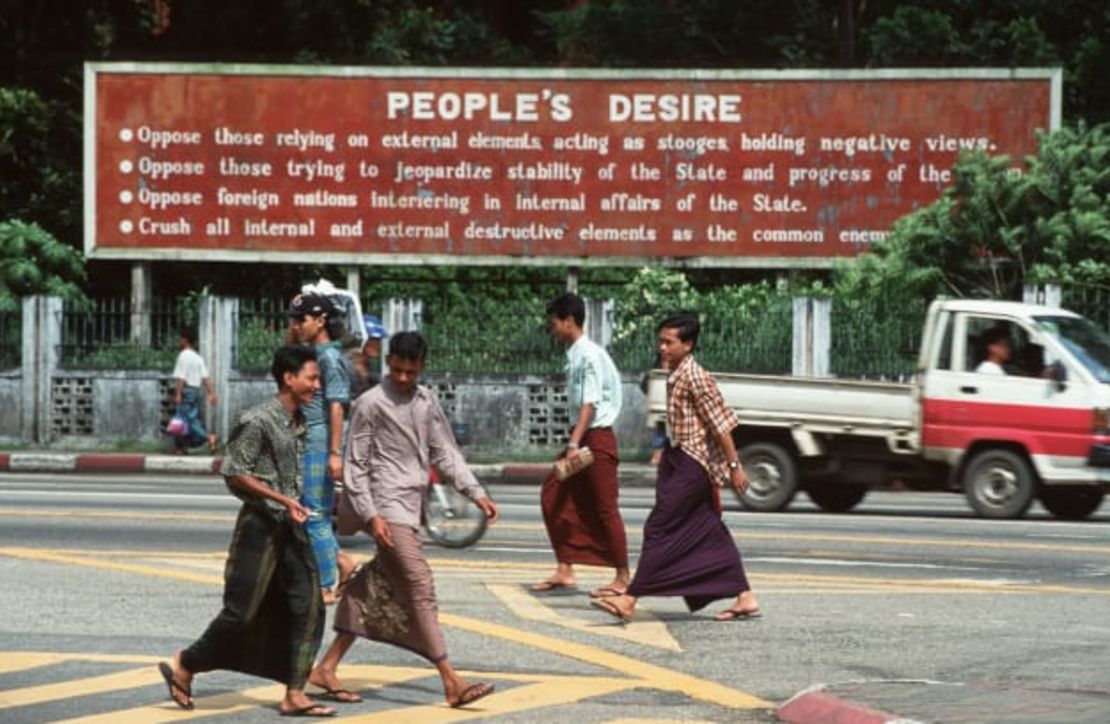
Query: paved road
x,y
105,575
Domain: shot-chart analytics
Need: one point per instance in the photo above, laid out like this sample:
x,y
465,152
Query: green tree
x,y
34,262
999,227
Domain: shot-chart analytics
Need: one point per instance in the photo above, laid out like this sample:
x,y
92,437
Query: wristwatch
x,y
335,451
733,464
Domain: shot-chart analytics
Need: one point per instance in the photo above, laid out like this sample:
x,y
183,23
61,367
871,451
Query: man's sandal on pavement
x,y
176,688
314,710
471,694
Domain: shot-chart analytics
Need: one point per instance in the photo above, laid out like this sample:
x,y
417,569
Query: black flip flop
x,y
734,615
167,673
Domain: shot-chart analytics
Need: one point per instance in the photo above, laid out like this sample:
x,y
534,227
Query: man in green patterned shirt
x,y
272,620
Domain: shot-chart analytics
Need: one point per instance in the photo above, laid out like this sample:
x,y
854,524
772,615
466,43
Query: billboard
x,y
496,166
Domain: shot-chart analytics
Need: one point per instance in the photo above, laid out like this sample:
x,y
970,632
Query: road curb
x,y
44,462
816,705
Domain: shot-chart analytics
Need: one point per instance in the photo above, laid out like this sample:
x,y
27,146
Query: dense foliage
x,y
34,262
999,227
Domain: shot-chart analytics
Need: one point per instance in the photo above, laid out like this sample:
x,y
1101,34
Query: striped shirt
x,y
697,415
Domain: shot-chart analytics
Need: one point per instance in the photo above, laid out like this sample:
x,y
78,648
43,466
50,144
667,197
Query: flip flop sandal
x,y
611,608
606,593
337,695
167,673
734,615
472,693
320,710
547,586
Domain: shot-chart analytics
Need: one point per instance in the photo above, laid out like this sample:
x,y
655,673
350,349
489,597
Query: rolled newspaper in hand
x,y
567,466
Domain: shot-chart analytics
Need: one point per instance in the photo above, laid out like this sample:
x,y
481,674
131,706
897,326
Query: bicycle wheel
x,y
451,519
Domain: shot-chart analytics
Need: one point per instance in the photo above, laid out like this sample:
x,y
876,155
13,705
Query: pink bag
x,y
177,426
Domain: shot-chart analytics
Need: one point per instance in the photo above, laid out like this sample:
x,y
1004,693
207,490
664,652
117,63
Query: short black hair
x,y
994,335
567,304
189,334
409,345
685,323
290,358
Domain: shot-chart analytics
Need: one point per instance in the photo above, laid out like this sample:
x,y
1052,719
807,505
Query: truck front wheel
x,y
772,477
999,483
1071,502
836,498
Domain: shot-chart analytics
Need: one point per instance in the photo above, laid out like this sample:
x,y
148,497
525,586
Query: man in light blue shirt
x,y
581,513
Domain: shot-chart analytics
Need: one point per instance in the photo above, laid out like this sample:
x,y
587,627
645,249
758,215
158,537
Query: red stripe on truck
x,y
1058,431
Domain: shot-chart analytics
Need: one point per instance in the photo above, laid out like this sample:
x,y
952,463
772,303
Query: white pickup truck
x,y
1035,426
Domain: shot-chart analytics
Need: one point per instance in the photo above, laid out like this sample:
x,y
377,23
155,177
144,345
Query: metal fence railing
x,y
97,333
875,337
11,352
263,324
477,334
732,339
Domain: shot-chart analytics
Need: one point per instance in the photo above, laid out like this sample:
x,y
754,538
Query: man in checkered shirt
x,y
688,551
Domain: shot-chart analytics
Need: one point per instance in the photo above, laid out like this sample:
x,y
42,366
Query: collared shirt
x,y
696,415
266,443
986,367
190,367
395,439
592,378
335,386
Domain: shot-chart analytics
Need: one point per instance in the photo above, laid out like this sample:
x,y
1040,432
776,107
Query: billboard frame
x,y
92,69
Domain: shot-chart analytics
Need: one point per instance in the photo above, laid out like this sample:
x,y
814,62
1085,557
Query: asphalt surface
x,y
104,575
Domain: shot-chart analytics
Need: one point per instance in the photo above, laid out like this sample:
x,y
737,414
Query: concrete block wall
x,y
11,407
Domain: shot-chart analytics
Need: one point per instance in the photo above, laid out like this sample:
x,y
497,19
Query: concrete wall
x,y
11,406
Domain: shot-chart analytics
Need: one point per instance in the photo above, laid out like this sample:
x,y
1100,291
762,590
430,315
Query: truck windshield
x,y
1089,344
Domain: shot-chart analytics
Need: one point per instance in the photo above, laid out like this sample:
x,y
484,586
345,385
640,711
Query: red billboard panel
x,y
498,166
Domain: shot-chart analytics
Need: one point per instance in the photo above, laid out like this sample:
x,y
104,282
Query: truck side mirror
x,y
1058,373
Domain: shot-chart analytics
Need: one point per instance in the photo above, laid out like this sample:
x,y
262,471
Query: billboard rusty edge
x,y
1053,75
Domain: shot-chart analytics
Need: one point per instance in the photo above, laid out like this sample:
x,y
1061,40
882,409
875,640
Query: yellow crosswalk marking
x,y
117,681
653,676
552,692
15,661
643,630
166,711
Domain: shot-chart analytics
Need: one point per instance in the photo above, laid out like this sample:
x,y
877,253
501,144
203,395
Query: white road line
x,y
843,562
131,495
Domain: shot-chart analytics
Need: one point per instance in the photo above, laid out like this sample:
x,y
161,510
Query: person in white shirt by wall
x,y
190,373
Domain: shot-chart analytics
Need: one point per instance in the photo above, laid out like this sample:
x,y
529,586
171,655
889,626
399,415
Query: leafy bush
x,y
32,261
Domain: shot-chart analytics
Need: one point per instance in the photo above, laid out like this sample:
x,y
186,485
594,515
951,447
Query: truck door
x,y
998,389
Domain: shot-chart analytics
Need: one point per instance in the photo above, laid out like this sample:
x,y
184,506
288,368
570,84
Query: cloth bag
x,y
567,466
177,426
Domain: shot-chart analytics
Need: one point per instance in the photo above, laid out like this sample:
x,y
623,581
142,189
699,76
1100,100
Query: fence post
x,y
822,335
599,321
811,337
1053,295
42,339
218,330
354,282
142,295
